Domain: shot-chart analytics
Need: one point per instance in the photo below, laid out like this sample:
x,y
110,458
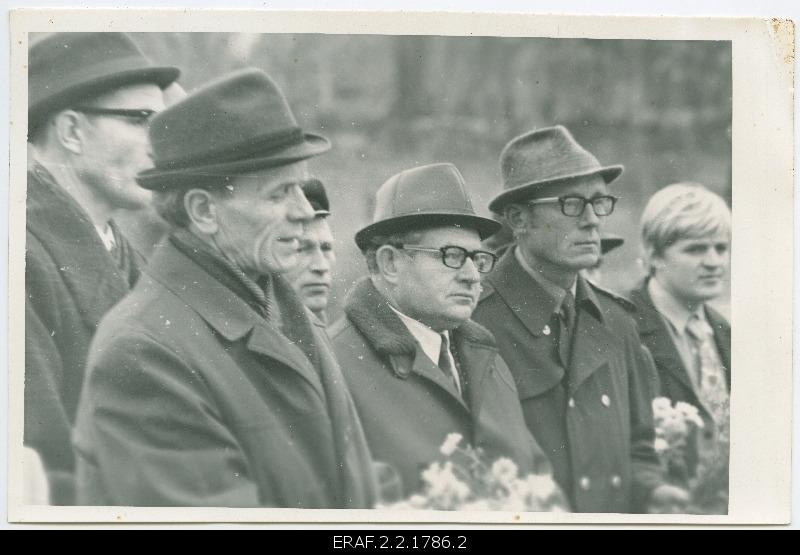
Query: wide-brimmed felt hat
x,y
543,157
67,68
315,194
421,197
237,124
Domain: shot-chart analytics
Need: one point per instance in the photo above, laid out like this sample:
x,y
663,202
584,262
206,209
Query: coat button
x,y
606,400
585,483
616,481
546,330
571,403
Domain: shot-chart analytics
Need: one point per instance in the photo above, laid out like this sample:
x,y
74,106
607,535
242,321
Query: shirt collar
x,y
674,312
428,339
555,291
106,236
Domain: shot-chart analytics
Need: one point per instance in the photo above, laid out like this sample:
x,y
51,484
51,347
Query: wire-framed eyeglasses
x,y
574,205
455,257
140,116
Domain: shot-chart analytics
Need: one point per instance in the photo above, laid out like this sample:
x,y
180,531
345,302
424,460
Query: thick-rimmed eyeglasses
x,y
574,205
139,116
456,257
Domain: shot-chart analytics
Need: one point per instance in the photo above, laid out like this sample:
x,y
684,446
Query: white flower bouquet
x,y
464,481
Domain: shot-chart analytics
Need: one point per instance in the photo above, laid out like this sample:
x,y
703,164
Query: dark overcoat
x,y
597,430
71,281
407,404
193,399
673,376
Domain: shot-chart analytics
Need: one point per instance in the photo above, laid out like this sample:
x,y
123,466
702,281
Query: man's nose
x,y
299,207
319,262
469,272
589,217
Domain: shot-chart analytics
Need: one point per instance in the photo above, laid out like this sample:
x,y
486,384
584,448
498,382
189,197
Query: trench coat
x,y
71,281
598,429
193,399
673,377
407,404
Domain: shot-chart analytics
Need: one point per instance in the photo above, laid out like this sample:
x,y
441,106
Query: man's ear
x,y
69,131
201,208
387,258
514,215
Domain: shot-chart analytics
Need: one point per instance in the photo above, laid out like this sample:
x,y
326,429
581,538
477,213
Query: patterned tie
x,y
445,362
713,391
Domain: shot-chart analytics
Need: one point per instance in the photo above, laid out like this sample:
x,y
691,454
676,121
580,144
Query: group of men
x,y
209,375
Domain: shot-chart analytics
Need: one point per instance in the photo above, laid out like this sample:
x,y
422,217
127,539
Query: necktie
x,y
446,362
565,328
713,391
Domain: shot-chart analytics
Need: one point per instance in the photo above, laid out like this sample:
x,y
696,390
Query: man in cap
x,y
686,234
90,98
417,366
583,378
208,385
311,276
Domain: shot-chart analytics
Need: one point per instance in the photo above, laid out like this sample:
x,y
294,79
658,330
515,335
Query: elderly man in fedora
x,y
584,381
90,96
311,276
418,367
208,385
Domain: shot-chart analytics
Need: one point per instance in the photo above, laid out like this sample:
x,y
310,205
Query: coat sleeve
x,y
154,433
647,472
47,425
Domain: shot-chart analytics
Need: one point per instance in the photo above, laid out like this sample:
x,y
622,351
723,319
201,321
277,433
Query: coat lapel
x,y
64,229
423,367
656,337
593,341
475,359
224,311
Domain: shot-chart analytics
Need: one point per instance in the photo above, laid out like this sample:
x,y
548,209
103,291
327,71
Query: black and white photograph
x,y
475,270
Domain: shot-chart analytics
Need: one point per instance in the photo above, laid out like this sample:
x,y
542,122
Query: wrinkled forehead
x,y
265,180
318,231
587,187
455,236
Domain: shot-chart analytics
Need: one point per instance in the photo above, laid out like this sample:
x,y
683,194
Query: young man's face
x,y
693,269
559,244
311,277
428,291
260,223
116,148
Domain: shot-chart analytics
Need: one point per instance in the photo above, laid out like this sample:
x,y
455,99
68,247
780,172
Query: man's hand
x,y
667,499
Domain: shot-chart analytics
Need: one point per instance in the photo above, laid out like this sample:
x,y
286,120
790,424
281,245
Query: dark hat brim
x,y
522,192
160,179
608,244
410,222
160,76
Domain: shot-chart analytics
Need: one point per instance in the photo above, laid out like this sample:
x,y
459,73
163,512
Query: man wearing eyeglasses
x,y
90,97
417,366
584,382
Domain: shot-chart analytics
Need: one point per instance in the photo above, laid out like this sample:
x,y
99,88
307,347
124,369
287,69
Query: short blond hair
x,y
680,211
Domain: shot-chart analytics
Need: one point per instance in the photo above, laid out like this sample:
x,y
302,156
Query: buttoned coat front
x,y
193,399
673,377
598,430
408,405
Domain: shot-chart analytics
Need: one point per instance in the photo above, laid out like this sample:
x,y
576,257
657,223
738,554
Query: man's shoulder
x,y
612,300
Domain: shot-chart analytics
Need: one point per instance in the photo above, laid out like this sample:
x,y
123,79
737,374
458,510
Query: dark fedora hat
x,y
422,197
64,68
314,191
543,157
236,124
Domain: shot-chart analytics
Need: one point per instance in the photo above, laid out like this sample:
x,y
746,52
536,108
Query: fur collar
x,y
369,311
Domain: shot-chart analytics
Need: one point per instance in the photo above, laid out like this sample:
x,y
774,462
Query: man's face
x,y
260,219
311,277
428,291
116,148
693,269
563,244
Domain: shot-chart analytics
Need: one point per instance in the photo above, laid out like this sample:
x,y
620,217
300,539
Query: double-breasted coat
x,y
193,399
598,428
71,281
408,405
673,376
